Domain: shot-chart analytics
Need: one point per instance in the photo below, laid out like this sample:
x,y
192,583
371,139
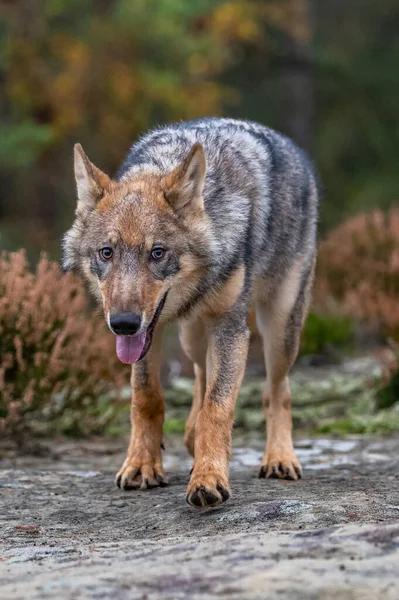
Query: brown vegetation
x,y
358,271
54,360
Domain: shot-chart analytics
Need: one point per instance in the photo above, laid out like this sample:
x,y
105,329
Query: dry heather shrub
x,y
55,360
358,270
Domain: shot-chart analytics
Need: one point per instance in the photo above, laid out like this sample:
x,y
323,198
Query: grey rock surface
x,y
68,533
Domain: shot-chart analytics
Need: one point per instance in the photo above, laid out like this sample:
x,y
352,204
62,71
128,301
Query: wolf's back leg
x,y
194,343
280,319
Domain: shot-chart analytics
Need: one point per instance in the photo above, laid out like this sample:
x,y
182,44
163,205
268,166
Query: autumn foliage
x,y
54,360
358,271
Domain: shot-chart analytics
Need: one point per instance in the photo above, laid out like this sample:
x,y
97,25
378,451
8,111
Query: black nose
x,y
126,323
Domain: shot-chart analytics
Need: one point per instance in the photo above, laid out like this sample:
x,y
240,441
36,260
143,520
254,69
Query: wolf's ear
x,y
185,184
90,181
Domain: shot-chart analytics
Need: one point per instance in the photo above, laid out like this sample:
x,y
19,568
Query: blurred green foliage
x,y
356,103
325,331
384,422
103,72
389,394
20,143
336,400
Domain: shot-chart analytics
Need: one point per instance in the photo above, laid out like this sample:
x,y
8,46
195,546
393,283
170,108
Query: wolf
x,y
208,223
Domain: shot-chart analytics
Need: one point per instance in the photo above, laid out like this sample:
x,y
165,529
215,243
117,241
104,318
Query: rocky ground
x,y
68,533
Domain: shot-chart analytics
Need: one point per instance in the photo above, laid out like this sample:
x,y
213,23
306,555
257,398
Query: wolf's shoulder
x,y
164,146
210,130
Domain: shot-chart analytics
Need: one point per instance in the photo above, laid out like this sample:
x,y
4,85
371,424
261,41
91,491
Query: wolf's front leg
x,y
143,465
226,358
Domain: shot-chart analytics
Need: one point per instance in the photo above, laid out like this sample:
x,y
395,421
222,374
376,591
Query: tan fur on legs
x,y
226,359
198,399
279,459
193,339
280,321
143,465
209,482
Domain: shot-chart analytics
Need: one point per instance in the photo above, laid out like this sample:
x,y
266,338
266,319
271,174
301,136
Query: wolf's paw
x,y
280,465
206,490
136,475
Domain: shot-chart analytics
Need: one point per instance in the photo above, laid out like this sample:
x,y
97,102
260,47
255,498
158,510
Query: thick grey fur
x,y
260,193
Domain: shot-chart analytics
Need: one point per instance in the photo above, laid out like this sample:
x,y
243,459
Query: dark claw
x,y
203,497
223,492
298,472
163,446
288,475
161,482
262,473
277,470
274,474
149,485
210,499
118,481
195,499
126,487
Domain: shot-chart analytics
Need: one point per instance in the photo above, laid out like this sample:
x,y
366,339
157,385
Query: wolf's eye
x,y
157,253
106,253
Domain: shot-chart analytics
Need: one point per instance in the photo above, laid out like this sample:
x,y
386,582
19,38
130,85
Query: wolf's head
x,y
139,242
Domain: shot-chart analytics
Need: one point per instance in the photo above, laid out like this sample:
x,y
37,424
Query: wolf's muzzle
x,y
125,323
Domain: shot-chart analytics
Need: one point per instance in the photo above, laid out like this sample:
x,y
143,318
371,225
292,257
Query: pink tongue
x,y
129,349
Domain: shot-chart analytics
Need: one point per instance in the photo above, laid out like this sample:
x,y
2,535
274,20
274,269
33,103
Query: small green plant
x,y
389,394
323,331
